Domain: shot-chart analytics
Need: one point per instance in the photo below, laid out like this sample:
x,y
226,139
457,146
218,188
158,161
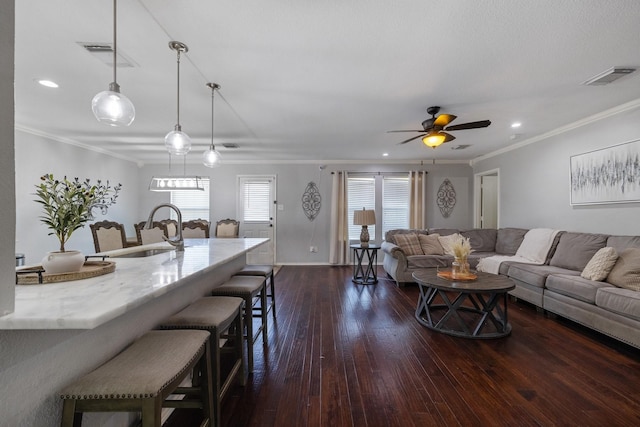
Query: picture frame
x,y
605,176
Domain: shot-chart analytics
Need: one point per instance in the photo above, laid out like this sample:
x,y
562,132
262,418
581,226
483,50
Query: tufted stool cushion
x,y
216,315
267,272
141,377
252,290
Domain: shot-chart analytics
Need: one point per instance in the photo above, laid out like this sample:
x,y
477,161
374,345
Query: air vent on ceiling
x,y
611,75
460,146
104,52
230,145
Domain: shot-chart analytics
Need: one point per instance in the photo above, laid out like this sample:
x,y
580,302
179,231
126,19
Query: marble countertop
x,y
88,303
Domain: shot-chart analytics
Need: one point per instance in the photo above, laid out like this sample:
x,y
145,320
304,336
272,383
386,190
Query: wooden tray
x,y
446,274
37,276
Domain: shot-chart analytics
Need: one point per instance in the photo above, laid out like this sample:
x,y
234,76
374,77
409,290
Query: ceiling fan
x,y
434,133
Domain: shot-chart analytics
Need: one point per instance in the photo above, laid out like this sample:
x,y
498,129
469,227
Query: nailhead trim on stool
x,y
248,288
141,377
216,315
267,272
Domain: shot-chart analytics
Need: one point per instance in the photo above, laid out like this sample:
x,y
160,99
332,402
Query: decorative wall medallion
x,y
446,198
311,201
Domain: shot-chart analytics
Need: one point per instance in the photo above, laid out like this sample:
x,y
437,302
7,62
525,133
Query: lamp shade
x,y
113,108
211,158
433,139
364,217
177,142
176,183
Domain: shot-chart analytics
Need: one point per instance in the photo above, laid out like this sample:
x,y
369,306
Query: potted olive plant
x,y
67,206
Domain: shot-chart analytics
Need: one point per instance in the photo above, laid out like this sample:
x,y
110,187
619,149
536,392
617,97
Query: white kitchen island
x,y
63,330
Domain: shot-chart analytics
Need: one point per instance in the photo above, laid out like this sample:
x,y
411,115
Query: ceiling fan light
x,y
177,142
113,108
433,140
211,158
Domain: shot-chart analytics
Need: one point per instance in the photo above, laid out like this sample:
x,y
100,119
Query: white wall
x,y
36,156
295,233
534,180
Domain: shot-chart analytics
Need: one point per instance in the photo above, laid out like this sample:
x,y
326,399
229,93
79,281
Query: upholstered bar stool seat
x,y
217,315
252,290
265,271
141,377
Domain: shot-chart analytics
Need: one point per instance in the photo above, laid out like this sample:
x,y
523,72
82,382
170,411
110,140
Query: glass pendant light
x,y
176,141
211,158
110,106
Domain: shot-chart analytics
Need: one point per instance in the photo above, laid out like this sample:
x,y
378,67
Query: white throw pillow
x,y
536,244
600,264
447,242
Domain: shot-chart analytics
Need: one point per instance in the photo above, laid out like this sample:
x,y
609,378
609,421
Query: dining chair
x,y
196,228
227,228
152,235
108,235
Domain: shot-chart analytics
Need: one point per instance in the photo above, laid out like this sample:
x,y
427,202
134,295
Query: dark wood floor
x,y
351,355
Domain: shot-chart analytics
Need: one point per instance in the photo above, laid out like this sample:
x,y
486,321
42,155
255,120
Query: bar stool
x,y
265,271
141,378
219,316
252,290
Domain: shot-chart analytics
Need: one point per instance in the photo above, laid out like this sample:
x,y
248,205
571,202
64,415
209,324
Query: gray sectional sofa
x,y
556,286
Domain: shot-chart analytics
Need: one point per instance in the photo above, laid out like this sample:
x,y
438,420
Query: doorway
x,y
487,199
256,213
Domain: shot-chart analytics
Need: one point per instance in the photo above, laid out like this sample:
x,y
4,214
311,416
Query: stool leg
x,y
263,313
248,320
273,296
69,416
206,388
151,412
239,354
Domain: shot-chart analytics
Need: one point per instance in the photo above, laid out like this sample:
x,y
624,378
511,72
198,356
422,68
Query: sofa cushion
x,y
428,261
443,231
626,272
535,275
448,241
575,286
508,240
619,243
621,301
430,244
409,244
600,264
536,244
482,239
389,236
576,249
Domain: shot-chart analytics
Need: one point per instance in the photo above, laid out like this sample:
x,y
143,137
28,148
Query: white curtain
x,y
417,199
339,232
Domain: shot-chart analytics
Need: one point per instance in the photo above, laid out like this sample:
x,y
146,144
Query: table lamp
x,y
364,218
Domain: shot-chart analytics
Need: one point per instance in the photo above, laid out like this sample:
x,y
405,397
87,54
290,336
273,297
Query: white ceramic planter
x,y
63,262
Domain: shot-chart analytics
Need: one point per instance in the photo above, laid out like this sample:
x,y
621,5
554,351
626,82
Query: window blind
x,y
256,200
192,204
395,203
361,194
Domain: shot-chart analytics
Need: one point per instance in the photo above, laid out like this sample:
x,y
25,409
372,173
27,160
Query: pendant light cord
x,y
114,40
178,86
213,90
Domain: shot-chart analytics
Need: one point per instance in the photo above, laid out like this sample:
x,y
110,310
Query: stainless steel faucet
x,y
178,241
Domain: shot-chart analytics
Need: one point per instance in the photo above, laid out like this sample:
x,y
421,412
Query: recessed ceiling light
x,y
516,124
385,154
47,83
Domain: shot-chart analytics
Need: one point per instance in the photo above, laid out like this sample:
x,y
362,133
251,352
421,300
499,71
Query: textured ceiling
x,y
324,80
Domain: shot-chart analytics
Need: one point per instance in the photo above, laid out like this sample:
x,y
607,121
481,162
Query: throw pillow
x,y
430,244
448,241
600,264
409,244
626,272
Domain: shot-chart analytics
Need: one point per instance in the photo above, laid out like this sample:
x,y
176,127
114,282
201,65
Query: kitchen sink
x,y
143,254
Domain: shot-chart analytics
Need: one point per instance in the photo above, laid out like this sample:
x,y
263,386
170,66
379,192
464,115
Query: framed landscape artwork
x,y
609,175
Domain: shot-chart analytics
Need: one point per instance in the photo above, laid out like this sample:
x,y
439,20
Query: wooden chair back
x,y
108,235
152,235
195,229
227,228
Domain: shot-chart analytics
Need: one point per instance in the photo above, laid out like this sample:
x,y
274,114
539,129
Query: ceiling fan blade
x,y
470,125
411,139
392,131
448,137
444,119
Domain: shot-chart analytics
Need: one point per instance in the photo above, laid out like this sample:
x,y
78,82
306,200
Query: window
x,y
395,203
256,200
192,204
387,195
362,194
